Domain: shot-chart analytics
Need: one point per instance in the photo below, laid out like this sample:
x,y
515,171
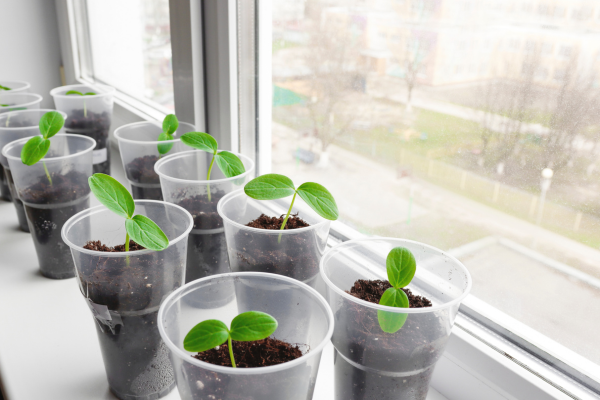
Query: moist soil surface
x,y
93,125
135,358
97,245
204,212
274,223
69,195
260,353
372,291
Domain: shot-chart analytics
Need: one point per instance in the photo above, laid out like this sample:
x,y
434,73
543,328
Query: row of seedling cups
x,y
124,290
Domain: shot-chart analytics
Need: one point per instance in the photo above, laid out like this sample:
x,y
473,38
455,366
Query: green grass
x,y
283,44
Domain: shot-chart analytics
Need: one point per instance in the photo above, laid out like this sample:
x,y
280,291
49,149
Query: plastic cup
x,y
89,116
15,86
13,126
183,182
138,145
295,253
308,322
125,290
371,364
49,206
18,101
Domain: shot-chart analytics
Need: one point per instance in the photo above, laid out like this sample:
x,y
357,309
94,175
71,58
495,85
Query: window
x,y
129,47
459,167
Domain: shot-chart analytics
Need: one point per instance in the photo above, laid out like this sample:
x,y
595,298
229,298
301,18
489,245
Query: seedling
x,y
169,126
246,327
117,199
4,87
401,267
82,94
228,162
275,186
37,147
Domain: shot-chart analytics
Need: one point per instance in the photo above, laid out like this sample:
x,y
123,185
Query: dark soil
x,y
65,188
296,256
141,170
206,251
70,195
274,223
97,245
135,357
4,189
260,353
19,207
95,126
372,291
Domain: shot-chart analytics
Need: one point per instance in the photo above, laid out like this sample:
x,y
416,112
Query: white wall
x,y
29,45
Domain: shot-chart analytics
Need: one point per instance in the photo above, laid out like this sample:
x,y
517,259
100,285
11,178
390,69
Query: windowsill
x,y
48,344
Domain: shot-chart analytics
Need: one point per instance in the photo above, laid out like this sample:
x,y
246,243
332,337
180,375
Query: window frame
x,y
489,358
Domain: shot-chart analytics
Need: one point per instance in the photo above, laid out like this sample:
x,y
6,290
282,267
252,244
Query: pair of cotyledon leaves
x,y
81,94
169,127
246,327
228,162
401,267
116,198
37,147
275,186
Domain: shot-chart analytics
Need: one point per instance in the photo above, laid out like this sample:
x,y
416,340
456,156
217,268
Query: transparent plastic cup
x,y
13,126
295,253
89,116
138,145
49,206
124,291
18,101
183,182
371,364
15,86
308,323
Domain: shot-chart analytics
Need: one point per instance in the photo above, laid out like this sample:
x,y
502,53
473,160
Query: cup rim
x,y
117,133
397,310
36,96
101,208
256,370
19,112
26,85
10,145
107,90
231,195
174,156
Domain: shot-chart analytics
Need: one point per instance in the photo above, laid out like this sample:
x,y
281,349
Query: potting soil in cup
x,y
147,182
96,126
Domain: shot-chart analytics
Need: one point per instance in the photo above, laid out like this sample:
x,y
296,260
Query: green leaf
x,y
112,195
89,94
270,187
164,148
230,164
170,124
4,105
401,267
319,199
391,322
145,232
74,92
252,325
201,141
4,87
206,335
51,123
34,150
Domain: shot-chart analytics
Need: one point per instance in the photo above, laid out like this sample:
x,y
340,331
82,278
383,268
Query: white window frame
x,y
489,355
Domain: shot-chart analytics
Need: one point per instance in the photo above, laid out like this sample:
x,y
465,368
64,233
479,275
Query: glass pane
x,y
471,126
131,48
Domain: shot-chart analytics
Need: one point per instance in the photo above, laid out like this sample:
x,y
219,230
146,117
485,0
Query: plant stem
x,y
127,248
286,217
231,351
47,173
208,175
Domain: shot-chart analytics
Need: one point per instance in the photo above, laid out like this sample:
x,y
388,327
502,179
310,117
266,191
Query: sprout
x,y
169,126
82,94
